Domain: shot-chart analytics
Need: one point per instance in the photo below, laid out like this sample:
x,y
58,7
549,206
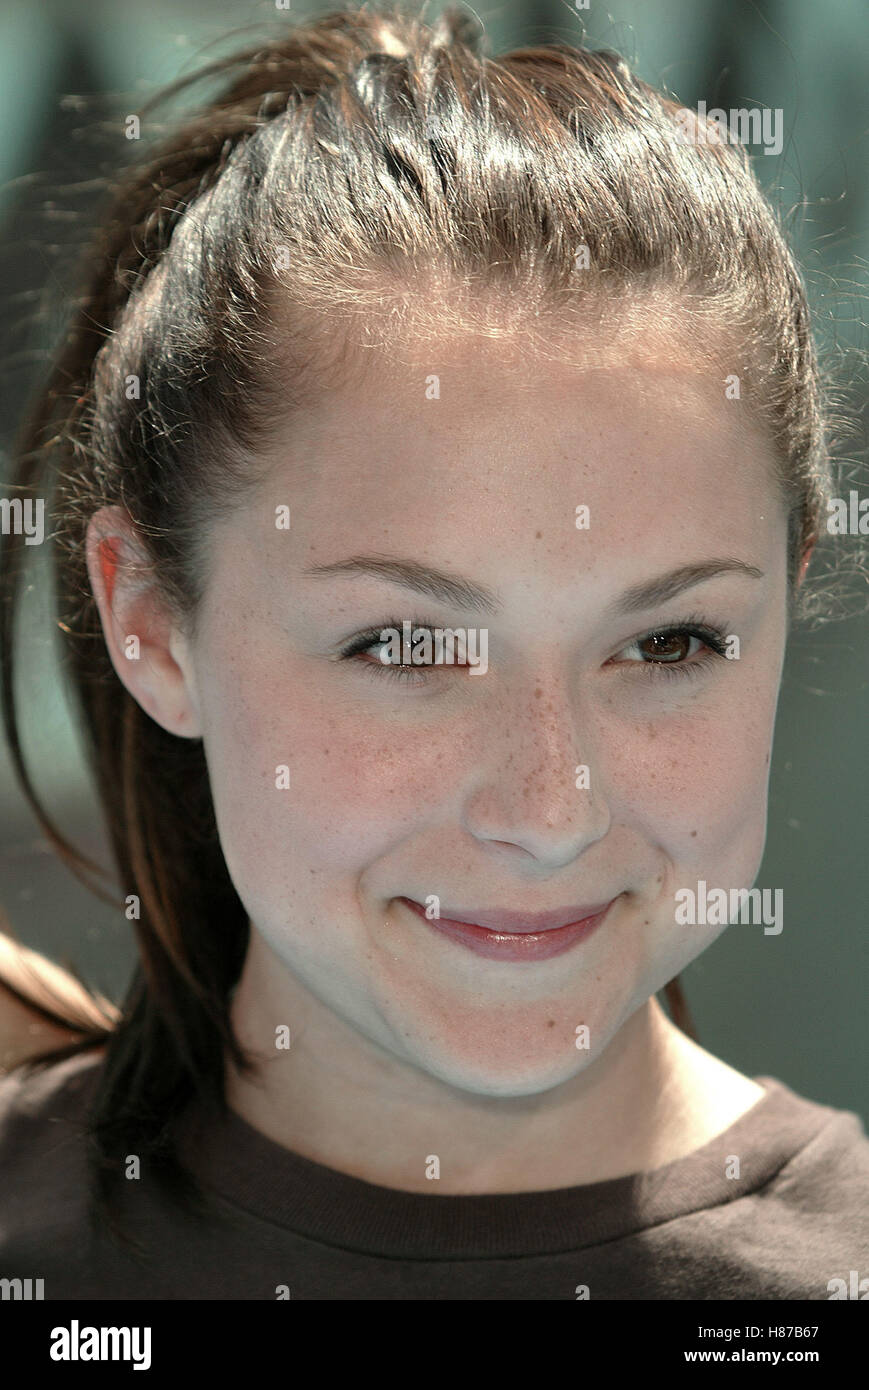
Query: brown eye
x,y
667,646
675,650
365,650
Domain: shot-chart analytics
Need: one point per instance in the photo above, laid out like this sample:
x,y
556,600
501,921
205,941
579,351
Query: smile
x,y
526,941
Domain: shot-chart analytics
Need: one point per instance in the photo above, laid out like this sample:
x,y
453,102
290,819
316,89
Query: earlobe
x,y
139,630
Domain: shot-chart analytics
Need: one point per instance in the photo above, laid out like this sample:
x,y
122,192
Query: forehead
x,y
464,426
474,460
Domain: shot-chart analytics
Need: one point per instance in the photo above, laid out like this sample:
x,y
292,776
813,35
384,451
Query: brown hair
x,y
344,162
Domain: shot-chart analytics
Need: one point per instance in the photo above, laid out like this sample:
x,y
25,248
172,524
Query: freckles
x,y
402,773
356,793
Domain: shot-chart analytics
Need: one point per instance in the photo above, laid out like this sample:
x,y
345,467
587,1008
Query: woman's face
x,y
436,781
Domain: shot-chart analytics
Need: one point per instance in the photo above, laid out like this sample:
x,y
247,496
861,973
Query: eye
x,y
672,651
416,673
669,651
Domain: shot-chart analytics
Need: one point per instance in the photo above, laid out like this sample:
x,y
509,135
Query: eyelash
x,y
691,626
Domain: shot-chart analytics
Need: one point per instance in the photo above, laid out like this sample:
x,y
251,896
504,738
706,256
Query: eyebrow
x,y
464,593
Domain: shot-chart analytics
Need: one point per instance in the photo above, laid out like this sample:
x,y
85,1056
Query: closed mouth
x,y
509,922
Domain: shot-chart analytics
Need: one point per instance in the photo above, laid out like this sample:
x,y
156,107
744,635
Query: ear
x,y
148,651
804,563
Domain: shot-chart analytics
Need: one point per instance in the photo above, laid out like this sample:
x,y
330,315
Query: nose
x,y
523,793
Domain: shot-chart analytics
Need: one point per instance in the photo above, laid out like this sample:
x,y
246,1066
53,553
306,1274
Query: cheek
x,y
357,785
696,782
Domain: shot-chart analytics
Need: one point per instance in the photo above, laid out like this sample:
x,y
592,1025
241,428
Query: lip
x,y
510,922
531,942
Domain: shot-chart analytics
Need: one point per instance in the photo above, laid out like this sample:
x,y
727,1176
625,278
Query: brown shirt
x,y
795,1218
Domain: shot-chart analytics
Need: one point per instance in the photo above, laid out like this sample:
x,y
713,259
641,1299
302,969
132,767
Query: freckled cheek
x,y
357,784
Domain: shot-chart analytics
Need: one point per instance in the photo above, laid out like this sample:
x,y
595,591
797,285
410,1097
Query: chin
x,y
491,1073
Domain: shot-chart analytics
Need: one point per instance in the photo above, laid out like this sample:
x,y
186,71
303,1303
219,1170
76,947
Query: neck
x,y
651,1097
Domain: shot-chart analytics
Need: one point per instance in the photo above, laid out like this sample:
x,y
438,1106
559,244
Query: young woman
x,y
393,340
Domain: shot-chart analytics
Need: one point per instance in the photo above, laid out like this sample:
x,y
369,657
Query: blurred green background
x,y
792,1005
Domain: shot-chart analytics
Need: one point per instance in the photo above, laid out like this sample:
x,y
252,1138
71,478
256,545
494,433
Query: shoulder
x,y
830,1172
832,1136
806,1226
40,1097
44,1113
